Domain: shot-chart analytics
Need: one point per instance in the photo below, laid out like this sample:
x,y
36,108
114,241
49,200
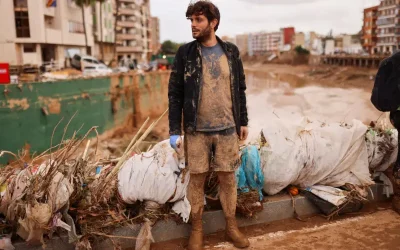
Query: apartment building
x,y
299,39
350,44
262,43
134,30
103,25
242,41
155,35
369,29
288,34
388,26
38,33
229,39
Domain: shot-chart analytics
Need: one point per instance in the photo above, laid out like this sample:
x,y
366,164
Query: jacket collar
x,y
225,47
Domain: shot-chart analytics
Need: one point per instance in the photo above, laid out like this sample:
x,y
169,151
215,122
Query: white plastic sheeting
x,y
333,195
306,153
157,175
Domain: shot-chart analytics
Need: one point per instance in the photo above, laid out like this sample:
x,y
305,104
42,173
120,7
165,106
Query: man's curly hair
x,y
206,8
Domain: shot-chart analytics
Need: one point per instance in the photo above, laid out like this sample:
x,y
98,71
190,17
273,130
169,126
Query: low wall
x,y
30,112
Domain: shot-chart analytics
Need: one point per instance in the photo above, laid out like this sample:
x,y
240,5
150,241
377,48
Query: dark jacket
x,y
185,83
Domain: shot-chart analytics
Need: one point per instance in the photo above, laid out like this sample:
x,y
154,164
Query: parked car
x,y
95,70
77,61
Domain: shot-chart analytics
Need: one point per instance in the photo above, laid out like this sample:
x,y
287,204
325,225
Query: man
x,y
395,178
386,97
207,83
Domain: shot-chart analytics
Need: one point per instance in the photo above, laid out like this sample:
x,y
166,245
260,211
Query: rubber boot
x,y
396,189
228,197
196,199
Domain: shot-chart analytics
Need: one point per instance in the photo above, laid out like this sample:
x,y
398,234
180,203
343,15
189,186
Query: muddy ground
x,y
376,226
329,94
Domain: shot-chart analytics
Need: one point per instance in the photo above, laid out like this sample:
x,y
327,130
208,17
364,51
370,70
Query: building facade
x,y
103,25
155,35
262,43
38,34
133,30
369,29
388,26
288,34
299,39
242,41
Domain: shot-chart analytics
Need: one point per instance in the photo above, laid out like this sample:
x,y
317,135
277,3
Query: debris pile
x,y
70,188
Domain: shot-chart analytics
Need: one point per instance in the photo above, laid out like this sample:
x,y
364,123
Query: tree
x,y
83,4
301,51
169,47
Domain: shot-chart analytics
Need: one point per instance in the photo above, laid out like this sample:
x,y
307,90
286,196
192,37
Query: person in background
x,y
207,83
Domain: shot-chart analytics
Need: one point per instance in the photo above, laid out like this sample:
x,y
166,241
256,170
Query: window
x,y
29,48
89,60
21,18
75,27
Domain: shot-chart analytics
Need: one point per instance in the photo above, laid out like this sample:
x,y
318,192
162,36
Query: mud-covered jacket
x,y
185,86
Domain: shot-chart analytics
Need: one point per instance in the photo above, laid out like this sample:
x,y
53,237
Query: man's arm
x,y
242,95
175,95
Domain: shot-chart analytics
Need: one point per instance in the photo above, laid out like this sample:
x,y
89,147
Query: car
x,y
94,70
77,61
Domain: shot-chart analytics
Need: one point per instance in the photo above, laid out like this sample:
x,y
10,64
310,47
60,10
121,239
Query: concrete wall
x,y
7,20
8,53
29,115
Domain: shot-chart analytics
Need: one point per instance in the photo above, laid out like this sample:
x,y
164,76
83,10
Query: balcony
x,y
387,7
129,49
127,36
386,35
126,24
127,11
383,22
53,36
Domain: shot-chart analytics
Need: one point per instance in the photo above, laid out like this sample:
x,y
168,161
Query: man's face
x,y
201,28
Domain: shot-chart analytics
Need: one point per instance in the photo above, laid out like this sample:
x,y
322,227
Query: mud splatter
x,y
18,103
53,105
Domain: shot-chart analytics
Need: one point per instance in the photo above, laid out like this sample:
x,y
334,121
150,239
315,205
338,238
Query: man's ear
x,y
214,23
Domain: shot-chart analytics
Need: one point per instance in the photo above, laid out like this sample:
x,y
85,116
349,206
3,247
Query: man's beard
x,y
204,35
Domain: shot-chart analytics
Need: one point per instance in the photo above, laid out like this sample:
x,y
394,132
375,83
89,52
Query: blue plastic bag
x,y
249,175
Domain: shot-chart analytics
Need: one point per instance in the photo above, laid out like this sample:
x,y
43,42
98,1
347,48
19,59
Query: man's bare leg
x,y
228,197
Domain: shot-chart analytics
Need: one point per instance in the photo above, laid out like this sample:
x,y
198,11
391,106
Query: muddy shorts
x,y
218,151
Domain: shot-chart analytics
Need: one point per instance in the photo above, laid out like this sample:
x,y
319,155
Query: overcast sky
x,y
243,16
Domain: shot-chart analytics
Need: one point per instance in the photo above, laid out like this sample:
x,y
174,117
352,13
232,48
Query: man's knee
x,y
226,177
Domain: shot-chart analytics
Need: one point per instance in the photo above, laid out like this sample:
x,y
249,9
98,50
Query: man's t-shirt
x,y
215,108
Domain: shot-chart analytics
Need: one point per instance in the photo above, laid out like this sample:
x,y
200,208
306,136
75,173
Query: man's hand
x,y
244,132
175,141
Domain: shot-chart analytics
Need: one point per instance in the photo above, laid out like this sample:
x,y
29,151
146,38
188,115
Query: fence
x,y
30,112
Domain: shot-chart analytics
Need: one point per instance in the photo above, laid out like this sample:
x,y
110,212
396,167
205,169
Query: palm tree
x,y
82,4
